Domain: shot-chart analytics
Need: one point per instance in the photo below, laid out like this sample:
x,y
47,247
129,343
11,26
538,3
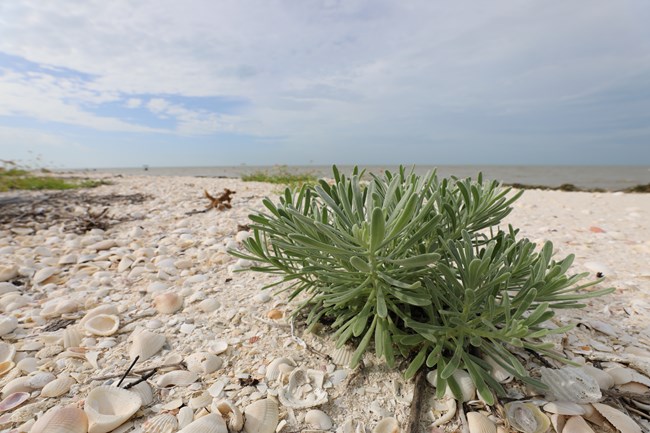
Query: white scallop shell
x,y
617,418
571,384
211,423
203,362
68,419
58,386
564,408
7,324
177,377
146,344
162,423
72,337
103,324
576,424
479,423
7,351
168,303
43,274
185,416
622,375
143,389
527,418
108,407
318,419
233,416
39,380
102,309
603,378
342,356
261,416
199,400
273,370
304,390
5,367
387,425
463,379
28,365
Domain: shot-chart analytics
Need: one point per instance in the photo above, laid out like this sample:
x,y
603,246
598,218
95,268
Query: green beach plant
x,y
415,266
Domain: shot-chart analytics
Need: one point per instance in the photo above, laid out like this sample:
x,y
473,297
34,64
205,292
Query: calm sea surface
x,y
608,177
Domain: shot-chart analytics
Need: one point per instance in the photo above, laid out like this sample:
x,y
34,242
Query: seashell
x,y
352,425
109,407
68,419
143,389
576,424
65,307
177,377
318,419
342,356
162,423
564,408
464,382
499,373
7,324
273,369
526,417
5,367
633,387
103,245
200,400
102,309
18,384
68,259
146,344
233,416
558,421
211,423
209,305
449,406
275,314
622,375
13,400
103,324
124,264
603,378
28,365
57,387
571,384
617,418
168,303
43,274
7,288
203,362
261,416
8,273
297,395
7,352
72,337
174,404
218,347
185,416
39,380
479,423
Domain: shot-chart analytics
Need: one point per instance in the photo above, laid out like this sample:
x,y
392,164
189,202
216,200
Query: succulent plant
x,y
417,266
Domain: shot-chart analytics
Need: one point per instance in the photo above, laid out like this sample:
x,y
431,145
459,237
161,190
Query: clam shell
x,y
261,416
464,382
28,365
211,423
200,400
58,387
72,337
617,418
318,419
68,259
13,400
576,424
7,352
146,344
273,371
102,309
5,367
163,423
177,377
342,356
571,384
527,418
623,375
68,419
479,423
499,373
203,362
558,421
218,347
603,378
564,408
109,407
43,274
124,264
7,324
168,303
102,324
143,389
233,416
8,272
185,416
297,395
18,384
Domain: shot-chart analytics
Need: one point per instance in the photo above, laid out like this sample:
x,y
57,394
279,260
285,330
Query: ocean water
x,y
612,178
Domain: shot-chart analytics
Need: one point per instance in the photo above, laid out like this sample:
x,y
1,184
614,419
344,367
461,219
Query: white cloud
x,y
133,102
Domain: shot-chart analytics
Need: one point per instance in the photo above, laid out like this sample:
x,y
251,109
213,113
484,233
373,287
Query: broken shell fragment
x,y
318,419
103,324
617,418
479,423
526,417
273,371
177,377
162,423
571,384
304,390
7,352
71,337
43,274
39,380
211,423
5,367
7,324
69,419
342,356
576,424
603,378
109,407
203,362
623,375
146,344
185,416
102,309
168,303
463,379
233,416
261,416
564,408
13,400
57,387
386,425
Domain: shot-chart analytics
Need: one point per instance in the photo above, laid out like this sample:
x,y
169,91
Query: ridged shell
x,y
293,395
199,400
564,408
143,389
68,419
13,400
177,377
163,423
7,352
527,418
342,356
168,303
58,387
576,424
211,423
203,362
103,324
318,419
5,367
479,423
462,378
146,344
622,375
617,418
273,369
603,378
28,365
43,274
39,380
109,407
72,337
261,416
233,416
571,384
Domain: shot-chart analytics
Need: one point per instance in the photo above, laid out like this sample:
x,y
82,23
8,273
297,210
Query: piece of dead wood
x,y
220,202
417,402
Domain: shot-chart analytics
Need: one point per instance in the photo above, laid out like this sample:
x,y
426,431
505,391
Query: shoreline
x,y
159,248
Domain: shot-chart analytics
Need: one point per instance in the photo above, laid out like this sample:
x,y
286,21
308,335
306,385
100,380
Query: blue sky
x,y
199,83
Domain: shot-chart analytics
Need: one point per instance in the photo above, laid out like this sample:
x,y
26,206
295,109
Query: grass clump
x,y
282,176
12,178
417,267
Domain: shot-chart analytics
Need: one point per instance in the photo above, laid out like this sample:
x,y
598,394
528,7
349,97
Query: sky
x,y
96,83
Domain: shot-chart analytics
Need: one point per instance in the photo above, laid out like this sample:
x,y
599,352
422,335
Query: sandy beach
x,y
226,331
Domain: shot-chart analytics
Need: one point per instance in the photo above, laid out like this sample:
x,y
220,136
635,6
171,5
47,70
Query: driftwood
x,y
220,202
